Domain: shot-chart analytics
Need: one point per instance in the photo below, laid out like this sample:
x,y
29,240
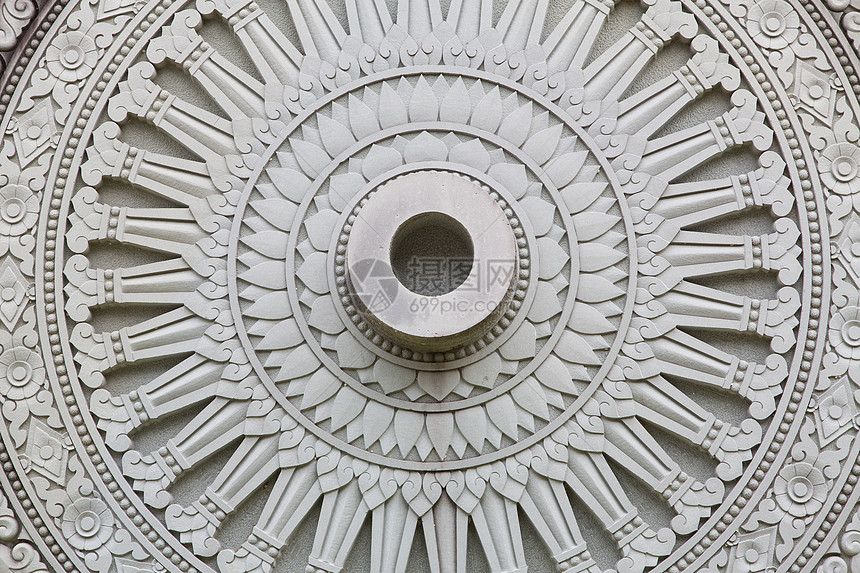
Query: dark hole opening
x,y
432,254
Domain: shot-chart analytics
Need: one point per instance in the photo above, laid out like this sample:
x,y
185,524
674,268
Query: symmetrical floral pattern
x,y
376,431
72,57
21,373
87,523
18,210
773,24
653,225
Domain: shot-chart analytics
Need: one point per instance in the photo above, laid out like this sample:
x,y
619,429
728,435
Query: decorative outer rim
x,y
821,23
743,498
58,554
824,23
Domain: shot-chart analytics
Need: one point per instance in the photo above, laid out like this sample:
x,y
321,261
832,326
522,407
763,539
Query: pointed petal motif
x,y
540,213
588,320
285,334
546,304
301,361
513,177
425,147
472,153
322,386
579,196
562,170
552,258
521,345
348,404
377,419
531,398
440,428
484,372
392,110
320,228
272,244
454,106
423,446
312,159
278,212
313,273
503,414
342,188
362,119
267,275
574,348
542,145
438,384
593,289
407,427
290,183
472,423
424,105
589,226
488,112
517,125
273,306
553,374
351,353
336,139
392,377
379,160
324,316
597,257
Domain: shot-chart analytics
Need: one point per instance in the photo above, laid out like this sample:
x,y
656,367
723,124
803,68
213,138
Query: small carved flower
x,y
773,24
800,489
753,554
87,524
21,373
72,56
836,408
19,210
839,166
845,332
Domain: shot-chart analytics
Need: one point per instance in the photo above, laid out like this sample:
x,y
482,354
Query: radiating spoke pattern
x,y
613,328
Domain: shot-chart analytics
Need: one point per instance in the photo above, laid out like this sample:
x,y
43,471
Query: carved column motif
x,y
422,285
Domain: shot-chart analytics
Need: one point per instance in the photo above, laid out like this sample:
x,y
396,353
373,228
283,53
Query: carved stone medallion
x,y
430,285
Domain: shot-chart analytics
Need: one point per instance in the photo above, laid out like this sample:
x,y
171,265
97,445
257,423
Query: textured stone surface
x,y
197,375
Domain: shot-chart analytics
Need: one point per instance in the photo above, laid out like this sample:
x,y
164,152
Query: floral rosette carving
x,y
182,339
273,333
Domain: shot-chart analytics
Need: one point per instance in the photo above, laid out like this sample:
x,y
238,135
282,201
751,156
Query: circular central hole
x,y
432,254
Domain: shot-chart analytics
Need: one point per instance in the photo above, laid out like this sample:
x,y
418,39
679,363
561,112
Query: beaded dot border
x,y
50,308
514,305
12,83
851,481
816,243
